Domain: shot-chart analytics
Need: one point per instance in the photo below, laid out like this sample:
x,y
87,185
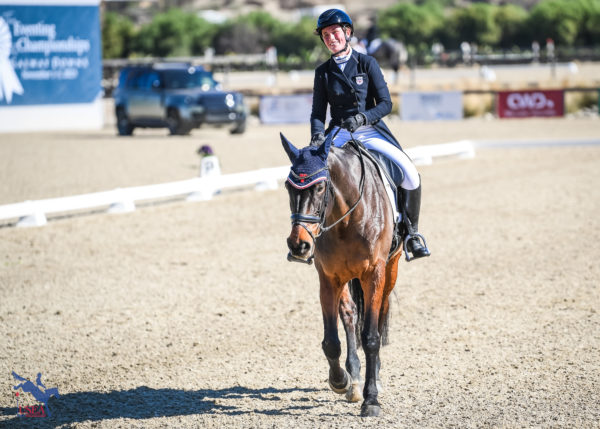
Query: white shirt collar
x,y
343,59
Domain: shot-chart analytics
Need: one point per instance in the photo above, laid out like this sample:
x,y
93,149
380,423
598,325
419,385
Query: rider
x,y
353,86
372,37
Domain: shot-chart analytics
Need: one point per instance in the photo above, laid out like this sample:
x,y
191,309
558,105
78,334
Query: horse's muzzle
x,y
292,258
300,244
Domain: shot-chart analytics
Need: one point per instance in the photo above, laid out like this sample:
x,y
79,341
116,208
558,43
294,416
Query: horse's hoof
x,y
370,410
344,386
354,394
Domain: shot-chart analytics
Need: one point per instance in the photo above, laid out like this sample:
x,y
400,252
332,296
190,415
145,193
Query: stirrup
x,y
421,240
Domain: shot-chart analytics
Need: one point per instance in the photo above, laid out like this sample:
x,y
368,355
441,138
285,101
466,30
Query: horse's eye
x,y
320,187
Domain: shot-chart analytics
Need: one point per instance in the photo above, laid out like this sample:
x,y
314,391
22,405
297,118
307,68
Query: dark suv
x,y
177,96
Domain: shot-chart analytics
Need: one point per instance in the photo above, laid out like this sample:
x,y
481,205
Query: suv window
x,y
142,79
150,80
123,77
191,78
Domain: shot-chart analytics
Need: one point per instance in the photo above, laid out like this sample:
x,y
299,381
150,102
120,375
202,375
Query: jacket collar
x,y
349,70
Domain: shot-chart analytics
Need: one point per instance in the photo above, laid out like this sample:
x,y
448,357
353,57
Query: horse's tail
x,y
359,300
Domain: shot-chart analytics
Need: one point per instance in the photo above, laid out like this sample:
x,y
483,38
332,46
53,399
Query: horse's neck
x,y
345,171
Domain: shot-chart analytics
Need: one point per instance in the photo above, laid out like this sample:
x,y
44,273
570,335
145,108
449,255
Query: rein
x,y
301,219
361,185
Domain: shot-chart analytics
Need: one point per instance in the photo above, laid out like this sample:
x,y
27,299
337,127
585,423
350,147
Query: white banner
x,y
50,65
430,106
285,109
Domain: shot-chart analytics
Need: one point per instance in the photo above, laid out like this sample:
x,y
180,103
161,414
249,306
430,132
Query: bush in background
x,y
570,23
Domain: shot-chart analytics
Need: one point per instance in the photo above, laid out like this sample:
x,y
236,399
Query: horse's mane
x,y
346,155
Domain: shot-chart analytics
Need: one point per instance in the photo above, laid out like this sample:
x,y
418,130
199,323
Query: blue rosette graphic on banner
x,y
9,82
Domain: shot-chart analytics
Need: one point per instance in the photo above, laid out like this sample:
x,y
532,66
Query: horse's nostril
x,y
298,247
304,246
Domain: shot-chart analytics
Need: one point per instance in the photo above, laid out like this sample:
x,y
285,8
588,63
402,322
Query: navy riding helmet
x,y
331,17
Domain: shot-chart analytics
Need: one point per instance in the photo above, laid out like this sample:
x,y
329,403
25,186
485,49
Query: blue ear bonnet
x,y
308,168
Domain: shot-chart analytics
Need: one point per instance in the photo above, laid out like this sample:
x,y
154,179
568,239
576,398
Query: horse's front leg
x,y
349,319
330,292
373,288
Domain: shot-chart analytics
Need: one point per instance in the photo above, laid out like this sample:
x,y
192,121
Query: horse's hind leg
x,y
349,318
391,273
339,379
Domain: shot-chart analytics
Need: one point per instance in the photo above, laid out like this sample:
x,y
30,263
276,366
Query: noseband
x,y
302,219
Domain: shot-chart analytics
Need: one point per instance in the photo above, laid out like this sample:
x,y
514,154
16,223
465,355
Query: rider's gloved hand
x,y
317,140
354,122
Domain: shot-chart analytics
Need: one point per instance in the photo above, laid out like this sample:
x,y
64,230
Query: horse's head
x,y
307,189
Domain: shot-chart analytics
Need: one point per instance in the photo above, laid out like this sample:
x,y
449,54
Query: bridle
x,y
301,219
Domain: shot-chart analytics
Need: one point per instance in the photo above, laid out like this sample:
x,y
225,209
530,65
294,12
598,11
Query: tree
x,y
556,19
474,24
164,36
511,20
297,42
589,28
200,34
411,24
251,33
117,35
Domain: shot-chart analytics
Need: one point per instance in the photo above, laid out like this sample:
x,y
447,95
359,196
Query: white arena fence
x,y
33,213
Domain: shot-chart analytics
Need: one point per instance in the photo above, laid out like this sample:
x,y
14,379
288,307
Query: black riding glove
x,y
354,122
317,140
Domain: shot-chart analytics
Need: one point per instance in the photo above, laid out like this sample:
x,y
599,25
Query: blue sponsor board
x,y
49,54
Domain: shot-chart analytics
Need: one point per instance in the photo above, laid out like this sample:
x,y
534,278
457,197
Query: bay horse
x,y
343,220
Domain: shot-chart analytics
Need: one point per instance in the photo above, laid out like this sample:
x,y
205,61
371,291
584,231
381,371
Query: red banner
x,y
527,104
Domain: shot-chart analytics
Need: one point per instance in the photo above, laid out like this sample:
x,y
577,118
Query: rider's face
x,y
334,37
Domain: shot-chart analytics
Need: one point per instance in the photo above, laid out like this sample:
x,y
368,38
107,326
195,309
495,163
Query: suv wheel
x,y
239,128
124,126
177,127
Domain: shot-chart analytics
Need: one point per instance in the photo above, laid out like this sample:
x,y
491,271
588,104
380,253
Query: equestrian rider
x,y
353,86
373,41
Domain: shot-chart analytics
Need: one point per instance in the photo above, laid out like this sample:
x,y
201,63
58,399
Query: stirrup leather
x,y
396,240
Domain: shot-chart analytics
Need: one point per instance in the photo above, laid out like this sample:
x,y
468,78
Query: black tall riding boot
x,y
414,243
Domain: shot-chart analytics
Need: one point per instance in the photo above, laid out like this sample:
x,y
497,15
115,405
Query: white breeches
x,y
372,139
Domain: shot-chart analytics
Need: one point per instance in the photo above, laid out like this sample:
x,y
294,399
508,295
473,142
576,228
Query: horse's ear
x,y
290,149
324,148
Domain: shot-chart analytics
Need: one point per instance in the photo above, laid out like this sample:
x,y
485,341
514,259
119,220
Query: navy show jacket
x,y
360,88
